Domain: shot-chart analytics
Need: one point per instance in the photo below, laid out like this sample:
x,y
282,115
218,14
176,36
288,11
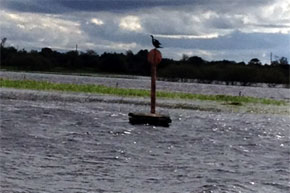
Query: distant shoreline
x,y
127,76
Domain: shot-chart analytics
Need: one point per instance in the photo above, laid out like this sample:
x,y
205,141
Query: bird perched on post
x,y
155,42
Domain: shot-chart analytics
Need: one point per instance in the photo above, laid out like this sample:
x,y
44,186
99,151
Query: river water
x,y
57,146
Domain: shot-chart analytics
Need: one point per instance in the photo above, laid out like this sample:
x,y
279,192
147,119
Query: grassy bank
x,y
99,89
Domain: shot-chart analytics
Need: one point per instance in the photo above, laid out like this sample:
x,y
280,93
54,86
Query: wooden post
x,y
153,87
154,58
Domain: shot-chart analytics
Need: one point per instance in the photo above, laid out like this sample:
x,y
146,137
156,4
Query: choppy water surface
x,y
91,147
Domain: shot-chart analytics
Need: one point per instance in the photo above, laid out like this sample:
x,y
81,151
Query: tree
x,y
46,52
129,53
3,41
91,53
113,63
255,62
195,60
184,57
283,61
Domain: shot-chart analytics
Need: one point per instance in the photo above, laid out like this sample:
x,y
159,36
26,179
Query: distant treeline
x,y
136,64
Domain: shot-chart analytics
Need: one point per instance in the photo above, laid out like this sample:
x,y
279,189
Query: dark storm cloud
x,y
60,6
125,5
119,5
33,6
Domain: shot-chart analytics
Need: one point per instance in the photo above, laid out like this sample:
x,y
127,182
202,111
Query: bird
x,y
155,42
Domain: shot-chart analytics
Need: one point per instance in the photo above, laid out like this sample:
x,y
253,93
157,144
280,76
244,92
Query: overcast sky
x,y
212,29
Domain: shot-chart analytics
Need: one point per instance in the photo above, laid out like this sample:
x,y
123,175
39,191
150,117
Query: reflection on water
x,y
91,147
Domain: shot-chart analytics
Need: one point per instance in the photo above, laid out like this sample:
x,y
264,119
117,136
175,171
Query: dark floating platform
x,y
148,118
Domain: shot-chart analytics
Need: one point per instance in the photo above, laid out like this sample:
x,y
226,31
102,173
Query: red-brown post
x,y
153,88
154,57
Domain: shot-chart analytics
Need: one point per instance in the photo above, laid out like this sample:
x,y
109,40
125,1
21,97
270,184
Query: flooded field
x,y
62,146
144,83
61,142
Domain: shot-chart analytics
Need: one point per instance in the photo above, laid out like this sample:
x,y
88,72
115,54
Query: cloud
x,y
131,23
97,21
207,36
27,29
213,28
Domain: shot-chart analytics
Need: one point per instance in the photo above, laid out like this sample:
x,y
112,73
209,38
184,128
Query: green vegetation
x,y
99,89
